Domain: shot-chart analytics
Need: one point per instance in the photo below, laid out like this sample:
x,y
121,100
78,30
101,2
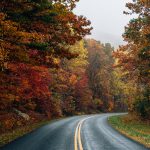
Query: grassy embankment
x,y
132,128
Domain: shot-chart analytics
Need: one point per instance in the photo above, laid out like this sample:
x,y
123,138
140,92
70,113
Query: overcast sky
x,y
107,19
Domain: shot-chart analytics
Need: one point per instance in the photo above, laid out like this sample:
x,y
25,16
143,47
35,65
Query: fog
x,y
107,19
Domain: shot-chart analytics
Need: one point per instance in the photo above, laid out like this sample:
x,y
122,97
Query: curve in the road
x,y
97,134
76,133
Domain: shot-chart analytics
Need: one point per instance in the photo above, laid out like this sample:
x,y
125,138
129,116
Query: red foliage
x,y
33,81
83,94
24,84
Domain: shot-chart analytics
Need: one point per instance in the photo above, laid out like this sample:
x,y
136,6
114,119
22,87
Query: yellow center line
x,y
77,137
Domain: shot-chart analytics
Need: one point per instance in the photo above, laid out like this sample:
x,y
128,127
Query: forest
x,y
48,69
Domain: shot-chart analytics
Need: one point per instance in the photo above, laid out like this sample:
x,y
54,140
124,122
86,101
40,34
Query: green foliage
x,y
49,18
132,128
142,105
39,46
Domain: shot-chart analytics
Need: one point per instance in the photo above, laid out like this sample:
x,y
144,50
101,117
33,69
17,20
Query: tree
x,y
53,24
63,89
100,72
12,39
77,65
83,95
36,36
133,58
24,87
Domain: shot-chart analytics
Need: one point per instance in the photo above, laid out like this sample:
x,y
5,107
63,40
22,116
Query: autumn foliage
x,y
35,37
48,69
134,58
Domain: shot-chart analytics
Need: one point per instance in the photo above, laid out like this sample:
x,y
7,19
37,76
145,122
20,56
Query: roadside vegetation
x,y
11,135
16,133
132,60
132,128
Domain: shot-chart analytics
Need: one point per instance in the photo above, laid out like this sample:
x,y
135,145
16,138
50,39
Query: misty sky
x,y
107,18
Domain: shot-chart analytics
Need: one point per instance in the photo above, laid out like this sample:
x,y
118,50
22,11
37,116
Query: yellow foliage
x,y
73,79
111,106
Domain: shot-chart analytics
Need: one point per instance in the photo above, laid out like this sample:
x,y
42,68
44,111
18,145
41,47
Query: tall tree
x,y
133,58
100,72
52,25
34,36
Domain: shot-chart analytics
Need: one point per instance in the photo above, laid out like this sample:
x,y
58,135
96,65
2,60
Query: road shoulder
x,y
135,130
8,137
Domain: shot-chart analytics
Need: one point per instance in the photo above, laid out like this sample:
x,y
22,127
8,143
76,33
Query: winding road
x,y
76,133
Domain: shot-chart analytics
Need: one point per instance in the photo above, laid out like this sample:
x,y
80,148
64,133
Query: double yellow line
x,y
77,138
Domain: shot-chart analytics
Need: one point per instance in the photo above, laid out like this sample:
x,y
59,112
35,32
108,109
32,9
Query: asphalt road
x,y
76,133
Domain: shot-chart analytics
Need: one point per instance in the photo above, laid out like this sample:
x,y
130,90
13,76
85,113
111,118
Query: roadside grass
x,y
134,129
10,136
